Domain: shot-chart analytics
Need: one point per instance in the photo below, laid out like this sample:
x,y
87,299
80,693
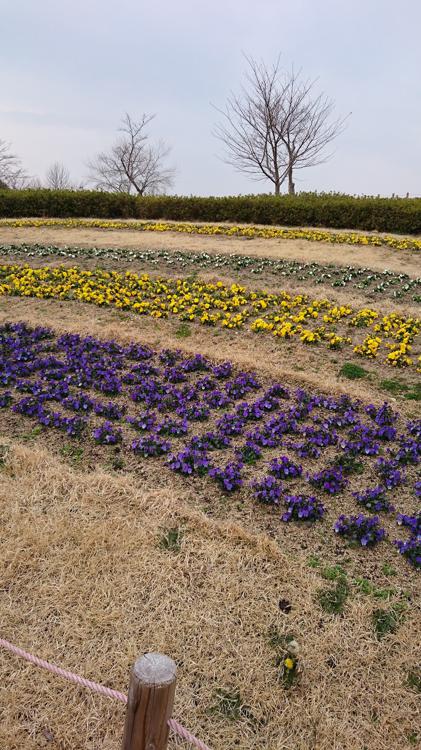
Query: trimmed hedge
x,y
401,215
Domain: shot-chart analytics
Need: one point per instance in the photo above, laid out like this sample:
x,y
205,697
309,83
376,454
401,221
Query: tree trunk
x,y
291,186
277,187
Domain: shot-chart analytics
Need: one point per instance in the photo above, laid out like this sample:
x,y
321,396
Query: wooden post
x,y
150,702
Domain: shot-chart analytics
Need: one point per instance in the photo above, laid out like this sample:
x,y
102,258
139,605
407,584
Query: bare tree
x,y
33,183
133,164
309,127
252,126
12,174
58,177
276,125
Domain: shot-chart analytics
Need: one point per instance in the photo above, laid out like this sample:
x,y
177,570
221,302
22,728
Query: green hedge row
x,y
402,215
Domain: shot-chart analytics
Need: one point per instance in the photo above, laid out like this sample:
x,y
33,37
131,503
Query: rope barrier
x,y
186,735
96,687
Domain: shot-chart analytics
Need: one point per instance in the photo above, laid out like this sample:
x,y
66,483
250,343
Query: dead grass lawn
x,y
86,584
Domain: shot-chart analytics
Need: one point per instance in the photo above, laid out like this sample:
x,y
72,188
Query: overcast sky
x,y
69,69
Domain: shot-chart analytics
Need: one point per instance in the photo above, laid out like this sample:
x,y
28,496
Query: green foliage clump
x,y
330,210
352,372
410,392
230,704
414,679
365,586
183,331
387,621
332,600
171,539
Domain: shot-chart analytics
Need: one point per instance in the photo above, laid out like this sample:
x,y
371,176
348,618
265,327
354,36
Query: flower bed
x,y
268,232
310,321
371,282
249,446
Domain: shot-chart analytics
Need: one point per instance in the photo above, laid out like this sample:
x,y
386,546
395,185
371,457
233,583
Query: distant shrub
x,y
401,215
66,204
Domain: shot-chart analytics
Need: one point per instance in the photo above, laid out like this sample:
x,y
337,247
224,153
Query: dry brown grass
x,y
86,584
378,258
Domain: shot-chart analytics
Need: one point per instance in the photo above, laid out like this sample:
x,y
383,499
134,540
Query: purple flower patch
x,y
362,529
5,399
189,461
302,508
329,480
374,500
389,474
178,393
175,427
107,434
267,491
109,410
284,468
411,548
249,452
229,477
222,371
150,445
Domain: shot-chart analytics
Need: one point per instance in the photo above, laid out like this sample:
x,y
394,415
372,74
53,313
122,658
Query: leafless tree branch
x,y
133,164
12,174
58,177
276,125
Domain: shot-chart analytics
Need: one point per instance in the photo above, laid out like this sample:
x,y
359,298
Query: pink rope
x,y
96,687
63,672
186,735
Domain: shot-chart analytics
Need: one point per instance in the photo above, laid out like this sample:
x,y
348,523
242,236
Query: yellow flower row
x,y
268,232
311,321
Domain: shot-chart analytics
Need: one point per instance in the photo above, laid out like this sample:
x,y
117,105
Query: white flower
x,y
293,647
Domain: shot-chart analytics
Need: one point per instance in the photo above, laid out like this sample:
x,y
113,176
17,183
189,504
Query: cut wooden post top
x,y
155,669
150,702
